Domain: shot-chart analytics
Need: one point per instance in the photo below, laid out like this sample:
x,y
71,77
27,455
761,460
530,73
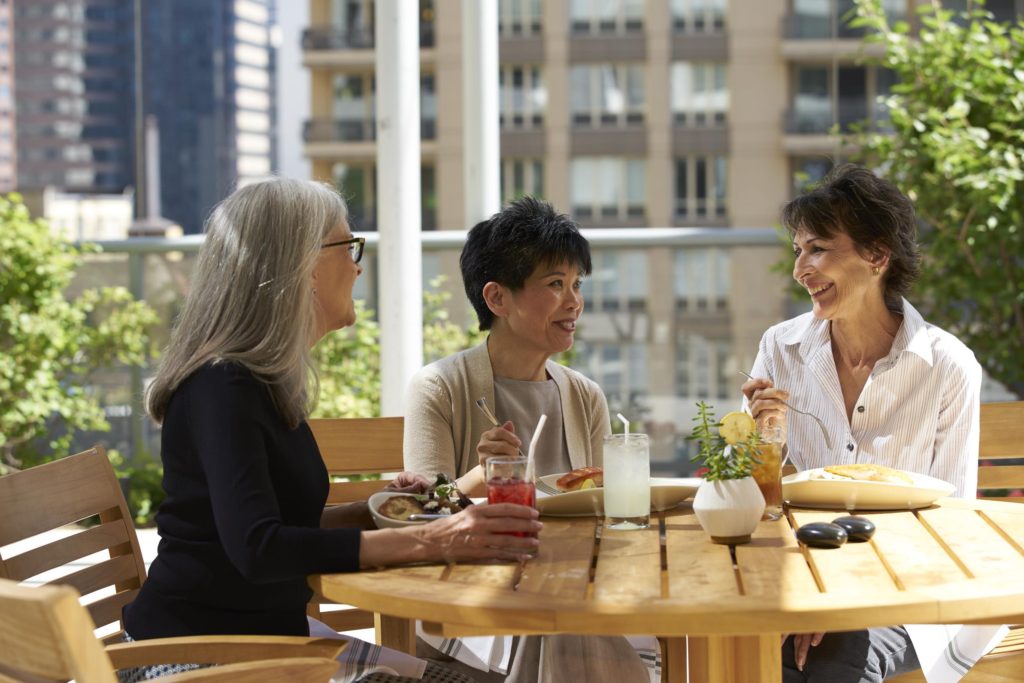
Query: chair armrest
x,y
298,670
220,650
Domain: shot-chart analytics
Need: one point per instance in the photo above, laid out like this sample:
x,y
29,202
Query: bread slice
x,y
574,480
866,471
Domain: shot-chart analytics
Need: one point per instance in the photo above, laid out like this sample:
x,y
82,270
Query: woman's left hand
x,y
802,644
408,482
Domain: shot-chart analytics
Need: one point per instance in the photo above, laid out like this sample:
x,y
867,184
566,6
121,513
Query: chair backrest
x,y
45,631
1001,452
349,446
49,497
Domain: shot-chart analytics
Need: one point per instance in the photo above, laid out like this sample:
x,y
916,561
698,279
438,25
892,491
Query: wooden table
x,y
956,562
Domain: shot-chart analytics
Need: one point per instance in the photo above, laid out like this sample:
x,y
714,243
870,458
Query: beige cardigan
x,y
443,424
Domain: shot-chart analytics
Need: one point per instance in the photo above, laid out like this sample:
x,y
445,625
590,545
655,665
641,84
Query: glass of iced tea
x,y
768,472
507,483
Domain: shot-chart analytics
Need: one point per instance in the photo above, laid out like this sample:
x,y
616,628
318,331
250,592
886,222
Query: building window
x,y
809,171
521,177
519,17
701,188
607,95
827,96
523,96
825,19
607,188
357,184
699,16
608,16
700,96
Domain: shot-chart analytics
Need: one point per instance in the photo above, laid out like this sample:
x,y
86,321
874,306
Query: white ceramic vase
x,y
729,510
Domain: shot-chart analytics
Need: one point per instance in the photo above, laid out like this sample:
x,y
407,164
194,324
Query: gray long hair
x,y
251,300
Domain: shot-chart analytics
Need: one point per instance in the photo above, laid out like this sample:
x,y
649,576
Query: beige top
x,y
443,424
523,402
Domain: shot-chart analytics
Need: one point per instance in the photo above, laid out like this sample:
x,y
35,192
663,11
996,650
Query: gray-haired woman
x,y
244,523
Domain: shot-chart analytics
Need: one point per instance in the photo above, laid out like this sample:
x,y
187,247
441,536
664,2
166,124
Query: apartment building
x,y
627,113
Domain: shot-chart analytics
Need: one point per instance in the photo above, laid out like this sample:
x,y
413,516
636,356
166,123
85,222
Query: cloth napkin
x,y
948,651
361,658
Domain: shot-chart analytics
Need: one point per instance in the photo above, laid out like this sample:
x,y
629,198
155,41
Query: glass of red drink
x,y
507,483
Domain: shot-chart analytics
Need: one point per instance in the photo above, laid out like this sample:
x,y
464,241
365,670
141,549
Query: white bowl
x,y
383,522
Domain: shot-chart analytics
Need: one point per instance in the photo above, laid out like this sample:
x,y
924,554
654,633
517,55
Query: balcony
x,y
334,38
354,130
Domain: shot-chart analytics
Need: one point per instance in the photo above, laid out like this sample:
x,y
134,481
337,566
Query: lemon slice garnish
x,y
736,427
588,484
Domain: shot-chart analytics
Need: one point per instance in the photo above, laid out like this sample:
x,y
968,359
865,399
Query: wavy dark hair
x,y
873,212
507,247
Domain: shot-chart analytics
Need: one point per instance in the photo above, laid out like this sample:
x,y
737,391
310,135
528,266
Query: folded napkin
x,y
948,651
361,658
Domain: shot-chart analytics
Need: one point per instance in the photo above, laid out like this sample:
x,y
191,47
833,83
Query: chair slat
x,y
102,575
67,549
1001,477
360,445
349,491
76,487
108,610
1002,429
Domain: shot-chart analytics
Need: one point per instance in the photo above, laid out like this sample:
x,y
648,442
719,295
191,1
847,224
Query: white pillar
x,y
481,136
398,204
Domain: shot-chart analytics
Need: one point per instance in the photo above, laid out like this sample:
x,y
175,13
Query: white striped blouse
x,y
918,410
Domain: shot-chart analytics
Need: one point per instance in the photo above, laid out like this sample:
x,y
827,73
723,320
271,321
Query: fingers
x,y
766,403
408,482
498,441
802,644
500,531
752,385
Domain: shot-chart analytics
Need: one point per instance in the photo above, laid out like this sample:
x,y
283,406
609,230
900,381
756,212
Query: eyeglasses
x,y
355,247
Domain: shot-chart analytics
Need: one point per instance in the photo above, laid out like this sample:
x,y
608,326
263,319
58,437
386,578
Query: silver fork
x,y
817,420
481,403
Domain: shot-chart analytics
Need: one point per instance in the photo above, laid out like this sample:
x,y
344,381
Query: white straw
x,y
533,446
625,424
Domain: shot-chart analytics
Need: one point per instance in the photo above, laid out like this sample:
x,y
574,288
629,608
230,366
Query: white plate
x,y
853,494
666,493
382,522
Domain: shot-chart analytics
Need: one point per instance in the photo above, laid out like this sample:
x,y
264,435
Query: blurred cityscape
x,y
131,118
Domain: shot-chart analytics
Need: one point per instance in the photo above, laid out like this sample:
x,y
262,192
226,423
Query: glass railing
x,y
672,315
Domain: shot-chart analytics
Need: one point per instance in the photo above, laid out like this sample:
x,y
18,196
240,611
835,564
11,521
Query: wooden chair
x,y
60,493
351,446
1002,438
46,634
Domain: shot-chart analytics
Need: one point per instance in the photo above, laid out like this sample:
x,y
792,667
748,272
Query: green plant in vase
x,y
728,503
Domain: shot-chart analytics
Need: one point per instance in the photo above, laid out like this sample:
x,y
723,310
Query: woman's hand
x,y
498,441
802,644
765,402
408,482
481,532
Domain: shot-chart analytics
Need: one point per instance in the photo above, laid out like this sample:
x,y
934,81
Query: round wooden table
x,y
954,562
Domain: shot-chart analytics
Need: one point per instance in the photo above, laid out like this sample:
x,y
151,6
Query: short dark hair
x,y
873,212
507,247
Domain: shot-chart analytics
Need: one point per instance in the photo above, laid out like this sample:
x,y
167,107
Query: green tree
x,y
349,359
957,150
50,344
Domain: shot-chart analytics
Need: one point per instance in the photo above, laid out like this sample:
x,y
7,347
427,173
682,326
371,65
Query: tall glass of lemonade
x,y
768,472
627,481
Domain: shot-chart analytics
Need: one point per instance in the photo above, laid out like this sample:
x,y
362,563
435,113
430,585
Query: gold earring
x,y
876,270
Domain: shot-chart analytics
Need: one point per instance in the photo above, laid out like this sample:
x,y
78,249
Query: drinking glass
x,y
768,472
627,481
507,483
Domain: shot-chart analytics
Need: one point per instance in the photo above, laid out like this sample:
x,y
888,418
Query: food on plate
x,y
578,478
863,471
736,427
401,507
443,498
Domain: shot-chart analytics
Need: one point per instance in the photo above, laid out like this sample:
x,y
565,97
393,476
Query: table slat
x,y
1010,523
853,569
916,558
978,546
628,565
771,565
562,566
497,575
698,570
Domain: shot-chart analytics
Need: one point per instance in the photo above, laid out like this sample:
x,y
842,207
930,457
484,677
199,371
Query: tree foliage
x,y
49,344
349,359
957,151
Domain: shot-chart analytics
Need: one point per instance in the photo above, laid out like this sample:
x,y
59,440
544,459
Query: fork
x,y
481,403
817,420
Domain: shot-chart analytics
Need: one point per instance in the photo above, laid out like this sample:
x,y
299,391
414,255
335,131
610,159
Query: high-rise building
x,y
8,149
206,79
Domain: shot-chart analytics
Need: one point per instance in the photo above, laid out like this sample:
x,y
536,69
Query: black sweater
x,y
240,527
